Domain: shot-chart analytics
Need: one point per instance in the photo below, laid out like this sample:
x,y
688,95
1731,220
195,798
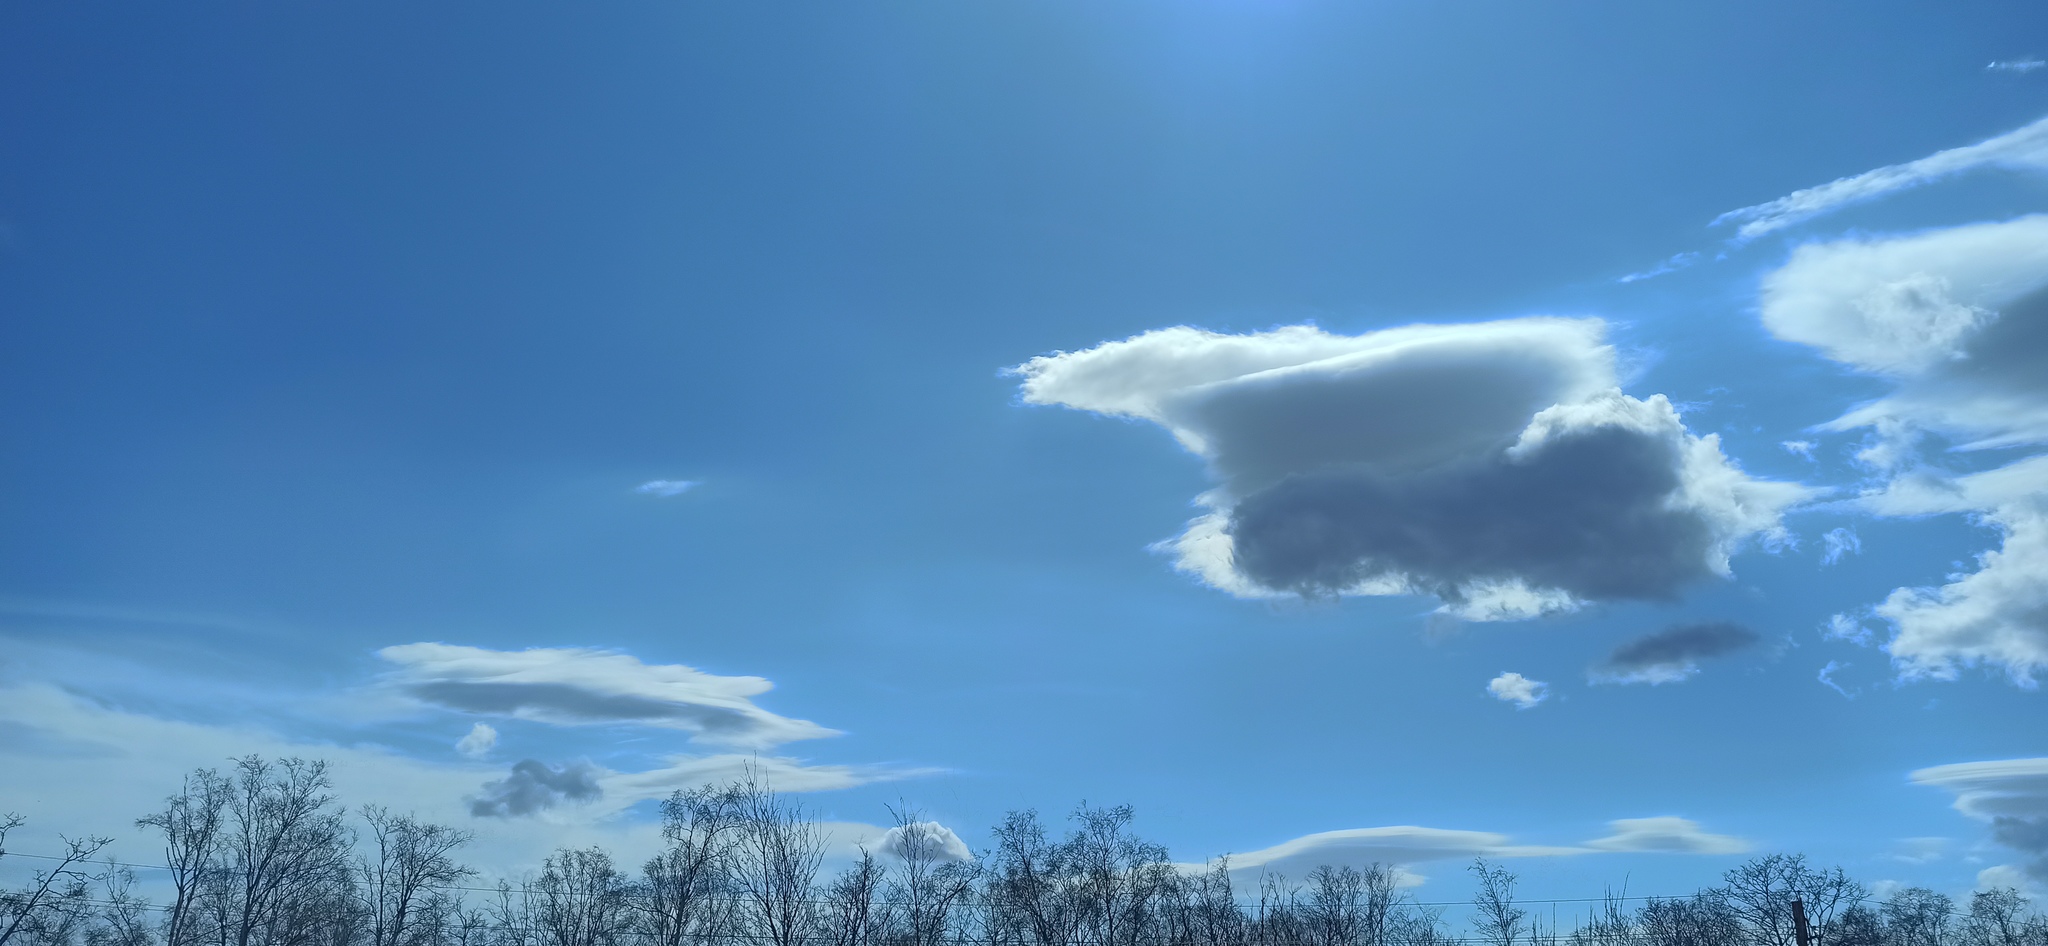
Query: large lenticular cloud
x,y
1494,465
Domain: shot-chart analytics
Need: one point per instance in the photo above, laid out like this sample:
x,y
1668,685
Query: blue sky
x,y
1205,406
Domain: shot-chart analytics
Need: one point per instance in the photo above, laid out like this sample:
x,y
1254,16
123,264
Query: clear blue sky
x,y
332,328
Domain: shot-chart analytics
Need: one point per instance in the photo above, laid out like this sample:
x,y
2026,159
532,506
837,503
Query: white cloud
x,y
1495,465
666,488
580,686
2015,65
2011,795
1906,305
1958,320
478,742
1407,845
2024,148
1799,448
1995,616
1517,689
1665,835
936,841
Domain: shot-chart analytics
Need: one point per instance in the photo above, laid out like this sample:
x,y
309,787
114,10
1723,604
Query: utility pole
x,y
1799,927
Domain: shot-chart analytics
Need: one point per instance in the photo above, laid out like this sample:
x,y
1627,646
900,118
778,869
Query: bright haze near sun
x,y
1610,439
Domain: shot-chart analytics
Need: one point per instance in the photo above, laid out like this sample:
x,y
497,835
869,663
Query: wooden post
x,y
1799,927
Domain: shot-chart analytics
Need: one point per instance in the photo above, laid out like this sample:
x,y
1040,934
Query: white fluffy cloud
x,y
478,742
578,687
1495,465
1514,688
2024,148
2011,795
1954,316
929,838
1958,320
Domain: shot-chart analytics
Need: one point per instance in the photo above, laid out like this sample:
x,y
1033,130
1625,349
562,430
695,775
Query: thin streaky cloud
x,y
2023,148
2015,65
666,488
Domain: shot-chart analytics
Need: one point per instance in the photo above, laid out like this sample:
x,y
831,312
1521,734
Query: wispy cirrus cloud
x,y
2023,148
666,488
573,686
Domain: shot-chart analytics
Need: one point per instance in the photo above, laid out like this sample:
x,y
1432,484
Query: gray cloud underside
x,y
534,786
583,687
1587,515
575,704
1671,654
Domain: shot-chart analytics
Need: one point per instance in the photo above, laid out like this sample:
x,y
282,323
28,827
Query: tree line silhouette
x,y
263,854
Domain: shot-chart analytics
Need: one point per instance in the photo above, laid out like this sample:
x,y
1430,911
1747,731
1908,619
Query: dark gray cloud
x,y
1494,465
1587,515
1672,654
535,786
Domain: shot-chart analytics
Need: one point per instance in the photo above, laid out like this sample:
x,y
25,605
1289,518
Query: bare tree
x,y
580,899
283,857
1701,920
928,883
1027,900
410,859
191,823
775,869
1761,891
1916,916
1117,875
686,890
1496,919
853,915
123,918
55,900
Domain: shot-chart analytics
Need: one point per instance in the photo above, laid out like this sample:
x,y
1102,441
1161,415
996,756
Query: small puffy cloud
x,y
1798,448
666,488
1495,465
582,687
479,742
1838,542
1665,835
1673,654
1517,689
930,839
2010,795
535,786
2024,149
2015,65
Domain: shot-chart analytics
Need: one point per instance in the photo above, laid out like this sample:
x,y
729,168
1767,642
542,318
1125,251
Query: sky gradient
x,y
1605,437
